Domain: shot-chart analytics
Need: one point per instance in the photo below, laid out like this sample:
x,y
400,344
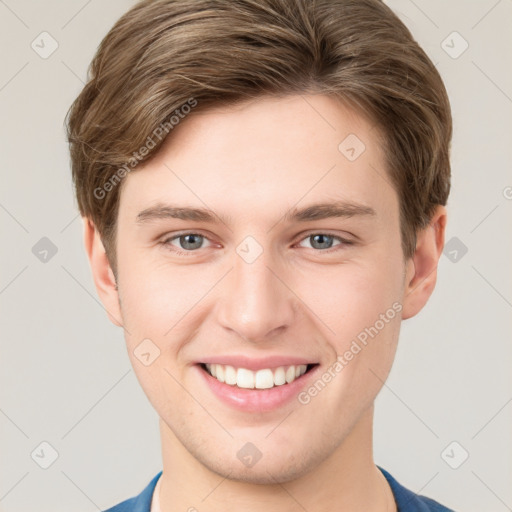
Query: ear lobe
x,y
421,272
102,274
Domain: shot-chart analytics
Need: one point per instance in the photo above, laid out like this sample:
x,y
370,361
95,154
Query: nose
x,y
256,302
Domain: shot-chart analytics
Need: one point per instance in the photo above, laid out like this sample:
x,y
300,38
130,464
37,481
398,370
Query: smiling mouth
x,y
261,379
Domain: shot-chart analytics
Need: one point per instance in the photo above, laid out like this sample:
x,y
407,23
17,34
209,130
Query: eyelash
x,y
167,242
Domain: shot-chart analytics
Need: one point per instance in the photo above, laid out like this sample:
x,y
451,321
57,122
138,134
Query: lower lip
x,y
257,400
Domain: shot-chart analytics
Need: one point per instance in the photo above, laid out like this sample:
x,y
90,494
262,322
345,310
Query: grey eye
x,y
190,241
321,241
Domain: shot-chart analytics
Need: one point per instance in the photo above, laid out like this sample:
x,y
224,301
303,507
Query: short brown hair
x,y
164,53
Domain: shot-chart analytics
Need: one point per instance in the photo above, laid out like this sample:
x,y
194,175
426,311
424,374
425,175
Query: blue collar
x,y
407,501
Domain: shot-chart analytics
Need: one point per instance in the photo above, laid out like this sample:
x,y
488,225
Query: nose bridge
x,y
256,304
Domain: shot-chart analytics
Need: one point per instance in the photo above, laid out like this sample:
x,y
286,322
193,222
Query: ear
x,y
421,269
102,274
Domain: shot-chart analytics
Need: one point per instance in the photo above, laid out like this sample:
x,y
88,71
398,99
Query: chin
x,y
264,472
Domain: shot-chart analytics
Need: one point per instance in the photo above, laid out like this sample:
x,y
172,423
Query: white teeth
x,y
279,376
230,375
212,369
264,379
261,379
290,374
244,378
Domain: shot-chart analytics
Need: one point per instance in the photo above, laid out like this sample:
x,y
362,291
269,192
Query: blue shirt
x,y
406,500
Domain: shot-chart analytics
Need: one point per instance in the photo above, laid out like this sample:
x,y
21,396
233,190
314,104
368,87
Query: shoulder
x,y
139,503
408,501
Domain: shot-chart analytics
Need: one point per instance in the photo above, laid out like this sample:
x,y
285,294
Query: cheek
x,y
156,297
348,298
360,312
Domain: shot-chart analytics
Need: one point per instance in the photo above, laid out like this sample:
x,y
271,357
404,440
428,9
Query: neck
x,y
346,480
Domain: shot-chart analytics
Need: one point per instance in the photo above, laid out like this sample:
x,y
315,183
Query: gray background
x,y
65,375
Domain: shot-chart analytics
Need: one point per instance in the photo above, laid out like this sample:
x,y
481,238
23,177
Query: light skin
x,y
251,164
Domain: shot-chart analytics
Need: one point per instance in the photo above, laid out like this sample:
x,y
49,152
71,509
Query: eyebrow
x,y
316,211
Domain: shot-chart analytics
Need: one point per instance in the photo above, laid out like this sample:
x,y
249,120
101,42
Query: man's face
x,y
257,283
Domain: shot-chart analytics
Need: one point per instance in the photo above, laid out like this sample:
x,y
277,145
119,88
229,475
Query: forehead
x,y
266,156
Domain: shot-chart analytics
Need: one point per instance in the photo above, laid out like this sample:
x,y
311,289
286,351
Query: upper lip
x,y
255,364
